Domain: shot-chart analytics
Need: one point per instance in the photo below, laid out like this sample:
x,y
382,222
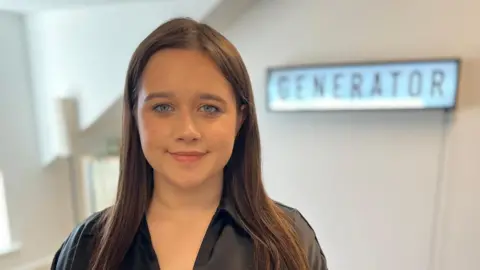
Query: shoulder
x,y
307,236
304,229
77,248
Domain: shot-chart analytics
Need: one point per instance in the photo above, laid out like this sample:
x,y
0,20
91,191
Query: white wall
x,y
383,190
370,194
38,200
84,52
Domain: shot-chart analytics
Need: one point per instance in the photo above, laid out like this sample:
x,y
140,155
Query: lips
x,y
187,156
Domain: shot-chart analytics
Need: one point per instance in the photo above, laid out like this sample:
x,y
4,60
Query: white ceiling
x,y
36,5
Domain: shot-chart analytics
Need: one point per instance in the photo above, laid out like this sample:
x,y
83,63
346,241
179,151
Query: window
x,y
102,180
5,237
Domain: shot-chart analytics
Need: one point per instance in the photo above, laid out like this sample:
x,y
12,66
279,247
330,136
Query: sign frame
x,y
456,60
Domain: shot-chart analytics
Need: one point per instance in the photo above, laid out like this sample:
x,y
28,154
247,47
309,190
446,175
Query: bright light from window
x,y
5,238
102,176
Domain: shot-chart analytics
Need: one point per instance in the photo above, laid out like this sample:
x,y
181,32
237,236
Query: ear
x,y
242,114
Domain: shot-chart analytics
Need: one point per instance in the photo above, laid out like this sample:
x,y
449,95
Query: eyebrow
x,y
212,97
203,96
158,95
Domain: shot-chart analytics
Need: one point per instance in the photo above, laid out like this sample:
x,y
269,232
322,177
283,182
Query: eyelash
x,y
156,107
217,110
170,107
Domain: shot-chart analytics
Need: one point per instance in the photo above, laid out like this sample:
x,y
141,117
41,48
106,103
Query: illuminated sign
x,y
429,84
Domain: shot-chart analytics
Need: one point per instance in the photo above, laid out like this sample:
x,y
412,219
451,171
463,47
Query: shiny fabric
x,y
226,246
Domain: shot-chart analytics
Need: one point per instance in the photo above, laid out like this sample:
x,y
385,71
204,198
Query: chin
x,y
189,176
187,185
187,180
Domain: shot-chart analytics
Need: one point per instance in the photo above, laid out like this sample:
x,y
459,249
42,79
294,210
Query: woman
x,y
190,194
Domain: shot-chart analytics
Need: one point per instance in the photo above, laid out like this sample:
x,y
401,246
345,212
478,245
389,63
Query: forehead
x,y
184,71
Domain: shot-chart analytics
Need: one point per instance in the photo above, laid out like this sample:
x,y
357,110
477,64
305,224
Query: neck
x,y
173,202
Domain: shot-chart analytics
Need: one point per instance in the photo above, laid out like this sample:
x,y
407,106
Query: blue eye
x,y
209,109
163,108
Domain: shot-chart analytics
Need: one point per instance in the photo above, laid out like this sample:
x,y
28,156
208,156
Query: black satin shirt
x,y
226,246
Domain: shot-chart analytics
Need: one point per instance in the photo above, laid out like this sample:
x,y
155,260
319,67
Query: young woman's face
x,y
187,117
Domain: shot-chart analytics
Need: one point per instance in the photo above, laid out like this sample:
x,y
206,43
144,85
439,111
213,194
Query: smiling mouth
x,y
187,156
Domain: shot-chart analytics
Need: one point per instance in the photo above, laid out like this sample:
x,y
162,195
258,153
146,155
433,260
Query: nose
x,y
187,130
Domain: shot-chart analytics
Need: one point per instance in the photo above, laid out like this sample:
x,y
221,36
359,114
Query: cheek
x,y
221,137
150,130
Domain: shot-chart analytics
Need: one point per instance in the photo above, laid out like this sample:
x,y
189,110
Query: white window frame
x,y
101,179
6,243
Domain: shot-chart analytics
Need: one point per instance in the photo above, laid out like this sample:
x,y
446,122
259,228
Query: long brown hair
x,y
276,243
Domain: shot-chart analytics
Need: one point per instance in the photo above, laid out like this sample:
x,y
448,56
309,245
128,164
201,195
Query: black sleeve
x,y
55,258
315,255
75,252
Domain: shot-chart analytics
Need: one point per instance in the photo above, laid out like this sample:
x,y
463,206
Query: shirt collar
x,y
226,206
